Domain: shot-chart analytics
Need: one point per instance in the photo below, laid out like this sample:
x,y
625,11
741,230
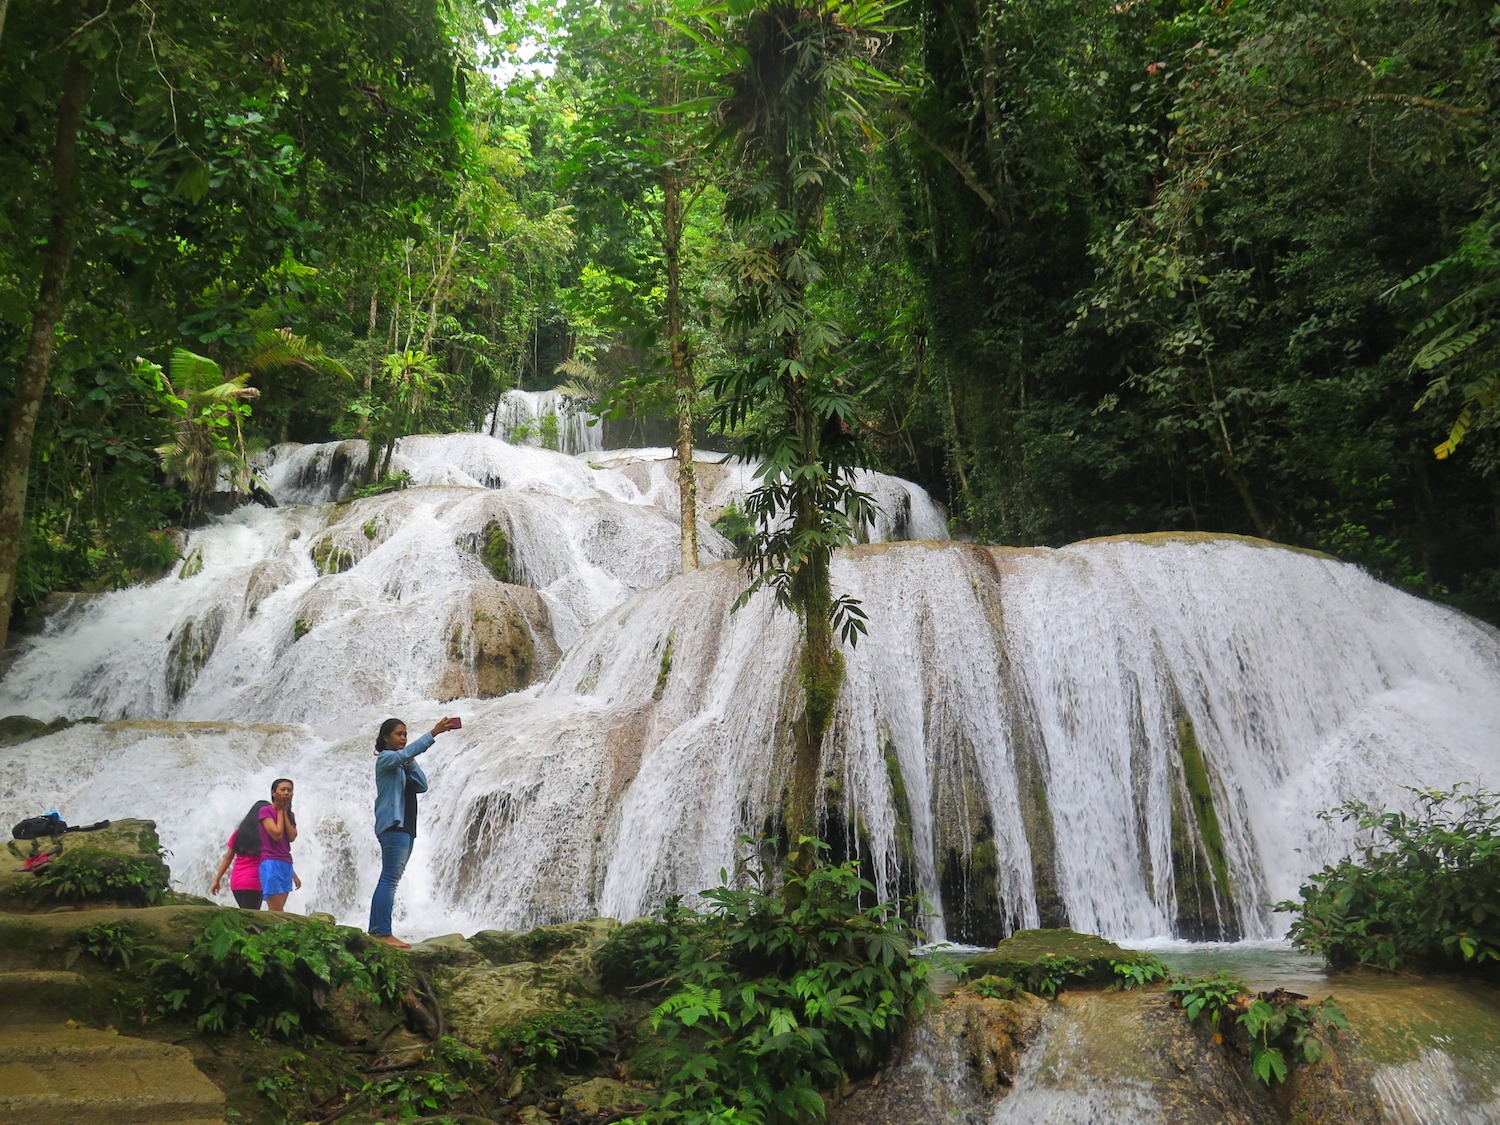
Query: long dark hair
x,y
247,835
385,730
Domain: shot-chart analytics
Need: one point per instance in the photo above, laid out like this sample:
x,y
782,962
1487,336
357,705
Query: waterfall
x,y
1130,736
550,419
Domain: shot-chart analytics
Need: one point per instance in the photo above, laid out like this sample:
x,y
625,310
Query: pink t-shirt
x,y
270,847
245,874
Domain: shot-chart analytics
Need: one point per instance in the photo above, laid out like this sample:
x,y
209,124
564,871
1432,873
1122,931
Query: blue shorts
x,y
275,877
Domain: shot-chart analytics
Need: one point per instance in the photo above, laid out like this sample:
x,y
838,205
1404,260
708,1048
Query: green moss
x,y
1036,817
1200,866
300,628
331,559
665,671
900,800
372,529
193,564
494,551
1047,960
820,688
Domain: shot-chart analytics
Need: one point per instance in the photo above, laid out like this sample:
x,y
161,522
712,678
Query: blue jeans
x,y
395,850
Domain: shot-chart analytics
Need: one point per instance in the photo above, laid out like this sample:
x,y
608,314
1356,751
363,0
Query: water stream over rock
x,y
1132,736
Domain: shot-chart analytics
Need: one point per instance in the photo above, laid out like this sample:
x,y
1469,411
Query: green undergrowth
x,y
1421,891
772,995
88,874
1275,1029
275,979
1046,962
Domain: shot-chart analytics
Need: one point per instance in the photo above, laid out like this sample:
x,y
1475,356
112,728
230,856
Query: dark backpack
x,y
35,827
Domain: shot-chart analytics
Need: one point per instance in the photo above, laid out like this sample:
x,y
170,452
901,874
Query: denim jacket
x,y
392,768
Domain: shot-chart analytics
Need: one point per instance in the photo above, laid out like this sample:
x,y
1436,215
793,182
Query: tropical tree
x,y
208,442
798,87
207,144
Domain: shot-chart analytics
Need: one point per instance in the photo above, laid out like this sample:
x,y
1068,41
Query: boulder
x,y
119,864
961,1058
1031,957
521,976
501,643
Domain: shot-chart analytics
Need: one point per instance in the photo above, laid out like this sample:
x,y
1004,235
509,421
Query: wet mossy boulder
x,y
960,1058
120,864
16,729
502,642
521,976
1046,961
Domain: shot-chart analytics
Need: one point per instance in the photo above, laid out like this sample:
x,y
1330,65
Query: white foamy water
x,y
550,419
1431,1088
993,683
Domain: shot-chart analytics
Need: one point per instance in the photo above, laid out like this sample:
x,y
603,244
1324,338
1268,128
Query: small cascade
x,y
548,419
902,510
1433,1047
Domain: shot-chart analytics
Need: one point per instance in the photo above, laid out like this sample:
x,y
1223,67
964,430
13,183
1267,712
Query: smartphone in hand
x,y
457,722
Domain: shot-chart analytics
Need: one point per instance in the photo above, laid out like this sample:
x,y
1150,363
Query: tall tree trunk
x,y
682,370
15,458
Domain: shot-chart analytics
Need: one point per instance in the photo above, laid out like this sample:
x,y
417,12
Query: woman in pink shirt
x,y
243,851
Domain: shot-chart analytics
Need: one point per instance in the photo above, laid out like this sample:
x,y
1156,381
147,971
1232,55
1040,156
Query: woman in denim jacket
x,y
398,780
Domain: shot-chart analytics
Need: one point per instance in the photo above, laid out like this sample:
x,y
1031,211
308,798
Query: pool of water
x,y
1262,965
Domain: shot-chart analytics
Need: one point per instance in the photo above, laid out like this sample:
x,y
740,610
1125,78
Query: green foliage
x,y
1047,975
645,953
569,1036
996,988
733,525
1280,1028
110,943
1215,995
87,874
418,1095
276,979
392,482
1140,972
1456,340
1423,889
773,994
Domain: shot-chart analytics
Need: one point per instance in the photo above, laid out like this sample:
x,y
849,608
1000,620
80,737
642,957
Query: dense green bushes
x,y
277,979
771,995
1424,890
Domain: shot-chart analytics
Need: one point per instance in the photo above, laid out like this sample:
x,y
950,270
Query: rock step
x,y
26,993
80,1076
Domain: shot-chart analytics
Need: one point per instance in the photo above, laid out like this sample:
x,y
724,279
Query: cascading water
x,y
1132,736
551,419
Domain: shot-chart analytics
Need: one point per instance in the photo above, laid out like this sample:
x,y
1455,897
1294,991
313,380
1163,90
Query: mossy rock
x,y
524,975
122,864
331,558
16,729
603,1098
508,947
1033,957
501,643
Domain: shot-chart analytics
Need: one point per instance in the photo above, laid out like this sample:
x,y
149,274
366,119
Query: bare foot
x,y
393,940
